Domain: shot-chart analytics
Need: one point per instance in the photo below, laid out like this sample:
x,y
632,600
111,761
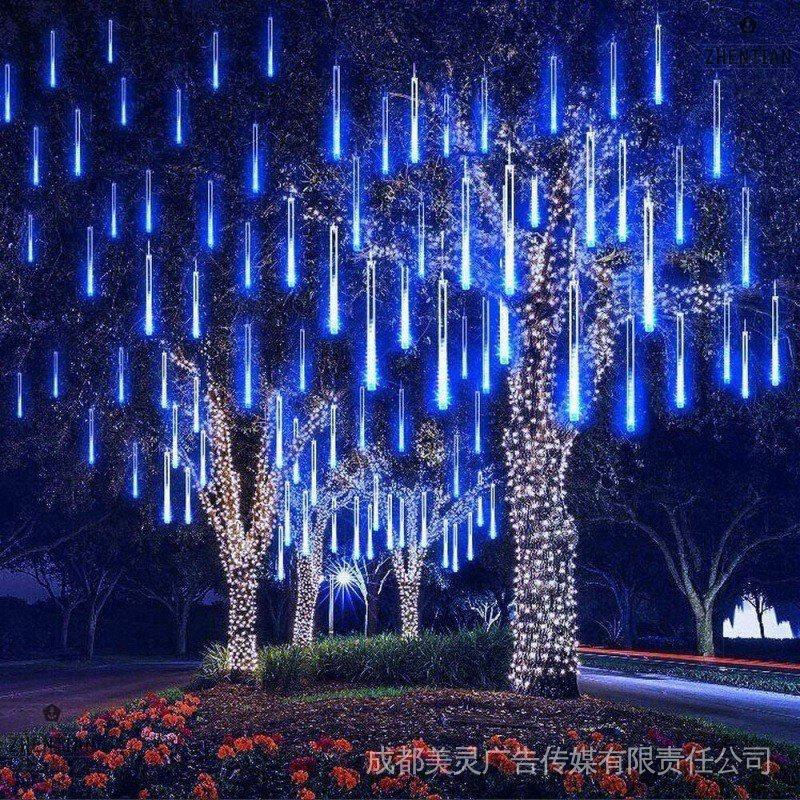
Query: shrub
x,y
468,659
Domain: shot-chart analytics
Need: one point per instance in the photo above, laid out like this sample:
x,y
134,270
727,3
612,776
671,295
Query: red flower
x,y
96,780
345,778
266,743
243,744
155,756
225,751
307,794
573,782
742,793
205,788
7,776
300,777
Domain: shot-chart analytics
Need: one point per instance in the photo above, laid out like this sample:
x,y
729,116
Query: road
x,y
25,689
769,713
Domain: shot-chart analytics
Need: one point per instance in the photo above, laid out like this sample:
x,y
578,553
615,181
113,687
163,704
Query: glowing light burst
x,y
255,171
166,511
210,232
178,116
446,126
401,419
77,157
35,174
215,60
270,47
504,334
405,308
486,375
90,261
148,292
52,70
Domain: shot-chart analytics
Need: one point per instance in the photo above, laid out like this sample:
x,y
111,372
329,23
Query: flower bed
x,y
161,749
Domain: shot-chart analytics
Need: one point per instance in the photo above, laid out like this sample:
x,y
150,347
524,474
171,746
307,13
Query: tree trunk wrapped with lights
x,y
309,579
538,447
242,546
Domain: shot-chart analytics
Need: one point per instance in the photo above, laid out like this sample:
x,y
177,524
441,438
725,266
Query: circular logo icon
x,y
748,25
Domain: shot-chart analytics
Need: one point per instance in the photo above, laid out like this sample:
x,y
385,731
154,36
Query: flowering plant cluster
x,y
155,749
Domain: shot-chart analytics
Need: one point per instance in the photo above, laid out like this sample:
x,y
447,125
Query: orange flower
x,y
299,777
243,744
115,759
502,762
418,788
115,731
96,780
226,751
266,743
341,746
771,767
345,778
133,745
99,756
573,782
143,794
62,781
307,794
596,736
29,795
205,788
573,734
690,748
742,793
434,797
154,757
81,734
706,788
386,785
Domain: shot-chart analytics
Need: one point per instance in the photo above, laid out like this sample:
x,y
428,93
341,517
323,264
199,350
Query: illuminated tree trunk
x,y
308,583
409,608
242,588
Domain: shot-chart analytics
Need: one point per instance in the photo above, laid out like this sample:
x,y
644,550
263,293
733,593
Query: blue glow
x,y
110,42
716,167
52,73
362,419
477,423
35,176
270,47
504,334
745,363
401,420
492,512
215,61
210,236
7,95
77,163
356,528
55,387
630,374
484,105
414,144
535,213
336,112
421,229
29,238
278,431
121,375
187,496
775,359
91,453
203,468
370,544
405,308
255,176
113,210
332,456
591,218
445,546
333,280
175,454
19,395
148,201
574,326
442,381
486,381
248,365
148,292
553,94
356,189
196,404
648,290
470,539
287,514
248,268
454,559
464,347
726,341
509,230
622,190
123,101
135,471
166,513
302,366
334,527
680,361
178,116
164,384
456,464
446,127
291,256
680,233
195,301
90,261
745,231
658,89
612,85
385,134
466,266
